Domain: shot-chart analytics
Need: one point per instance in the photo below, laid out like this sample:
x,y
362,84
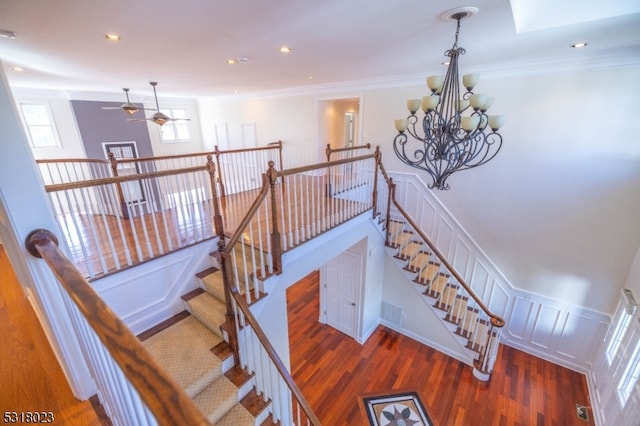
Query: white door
x,y
341,289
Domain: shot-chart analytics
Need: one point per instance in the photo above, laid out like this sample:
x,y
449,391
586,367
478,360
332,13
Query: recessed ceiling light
x,y
309,77
285,49
112,37
17,69
580,45
7,34
231,61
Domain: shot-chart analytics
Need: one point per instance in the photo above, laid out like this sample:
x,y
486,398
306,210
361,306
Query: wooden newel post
x,y
376,170
328,152
217,217
38,236
217,153
225,262
392,188
276,244
114,173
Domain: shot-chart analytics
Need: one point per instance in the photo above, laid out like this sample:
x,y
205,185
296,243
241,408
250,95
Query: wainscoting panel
x,y
461,257
518,325
479,278
427,216
552,330
444,236
544,327
499,298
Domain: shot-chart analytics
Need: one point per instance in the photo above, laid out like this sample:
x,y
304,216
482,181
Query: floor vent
x,y
392,314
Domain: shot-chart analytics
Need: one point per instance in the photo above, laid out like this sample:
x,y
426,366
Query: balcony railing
x,y
133,388
182,206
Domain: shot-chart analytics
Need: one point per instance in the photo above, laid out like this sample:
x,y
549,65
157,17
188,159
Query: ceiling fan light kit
x,y
158,117
127,107
455,133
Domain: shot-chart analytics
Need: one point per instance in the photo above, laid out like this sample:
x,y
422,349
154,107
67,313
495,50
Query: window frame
x,y
171,112
51,125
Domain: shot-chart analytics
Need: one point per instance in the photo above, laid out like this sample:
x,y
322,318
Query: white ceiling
x,y
184,44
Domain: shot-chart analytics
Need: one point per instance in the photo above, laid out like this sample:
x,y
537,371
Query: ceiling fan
x,y
127,107
159,118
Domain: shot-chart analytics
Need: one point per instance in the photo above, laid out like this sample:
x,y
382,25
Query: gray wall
x,y
97,125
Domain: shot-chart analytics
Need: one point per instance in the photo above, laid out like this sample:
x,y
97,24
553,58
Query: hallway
x,y
30,376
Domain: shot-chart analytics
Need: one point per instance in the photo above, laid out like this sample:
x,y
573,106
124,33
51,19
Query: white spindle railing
x,y
316,199
131,386
271,378
116,222
461,306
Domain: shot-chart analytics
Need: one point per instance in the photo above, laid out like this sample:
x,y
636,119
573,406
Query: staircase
x,y
459,312
193,349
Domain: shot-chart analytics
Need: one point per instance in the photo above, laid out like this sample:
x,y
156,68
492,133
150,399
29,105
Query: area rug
x,y
396,409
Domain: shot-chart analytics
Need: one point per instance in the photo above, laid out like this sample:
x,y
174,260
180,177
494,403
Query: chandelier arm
x,y
421,161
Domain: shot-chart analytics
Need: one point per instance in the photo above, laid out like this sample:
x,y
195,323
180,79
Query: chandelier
x,y
455,133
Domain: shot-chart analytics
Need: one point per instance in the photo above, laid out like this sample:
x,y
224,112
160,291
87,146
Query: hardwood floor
x,y
334,371
30,377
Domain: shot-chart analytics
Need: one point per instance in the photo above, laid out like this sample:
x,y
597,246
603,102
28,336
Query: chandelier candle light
x,y
454,134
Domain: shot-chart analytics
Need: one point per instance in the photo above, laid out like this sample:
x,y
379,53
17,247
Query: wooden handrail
x,y
120,179
496,320
270,145
162,395
303,169
249,215
273,355
328,150
73,160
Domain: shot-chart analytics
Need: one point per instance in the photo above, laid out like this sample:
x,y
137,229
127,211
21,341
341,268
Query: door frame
x,y
357,251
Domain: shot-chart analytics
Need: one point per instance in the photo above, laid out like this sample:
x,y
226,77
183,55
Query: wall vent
x,y
392,314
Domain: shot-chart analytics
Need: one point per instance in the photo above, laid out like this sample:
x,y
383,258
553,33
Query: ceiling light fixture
x,y
285,49
454,134
159,118
17,69
7,34
112,37
580,45
127,107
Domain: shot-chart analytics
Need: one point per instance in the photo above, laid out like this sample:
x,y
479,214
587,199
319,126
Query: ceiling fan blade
x,y
159,117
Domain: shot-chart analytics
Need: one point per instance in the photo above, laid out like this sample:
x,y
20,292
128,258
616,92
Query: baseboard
x,y
427,342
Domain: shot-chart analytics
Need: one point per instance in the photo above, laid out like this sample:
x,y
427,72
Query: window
x,y
618,333
622,319
40,127
175,131
630,376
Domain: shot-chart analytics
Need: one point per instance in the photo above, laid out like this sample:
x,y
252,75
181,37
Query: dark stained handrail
x,y
119,179
496,320
328,150
162,395
302,169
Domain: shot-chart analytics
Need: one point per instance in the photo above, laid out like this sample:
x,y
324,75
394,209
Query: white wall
x,y
556,210
64,120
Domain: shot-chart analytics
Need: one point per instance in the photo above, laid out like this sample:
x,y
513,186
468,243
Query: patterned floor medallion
x,y
401,409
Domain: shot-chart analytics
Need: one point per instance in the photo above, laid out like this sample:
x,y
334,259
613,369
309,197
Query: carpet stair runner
x,y
192,348
438,288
